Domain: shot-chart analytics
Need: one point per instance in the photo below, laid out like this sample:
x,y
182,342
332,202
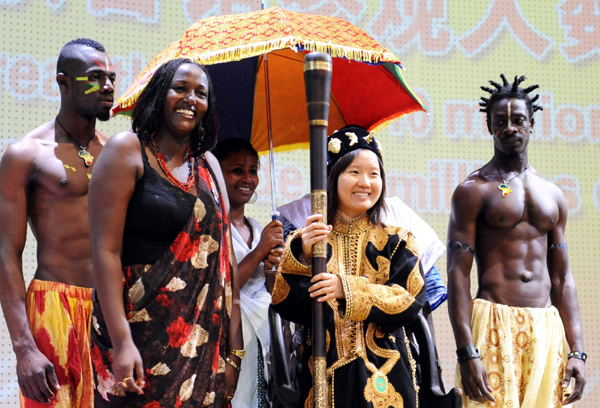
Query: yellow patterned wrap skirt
x,y
59,317
524,352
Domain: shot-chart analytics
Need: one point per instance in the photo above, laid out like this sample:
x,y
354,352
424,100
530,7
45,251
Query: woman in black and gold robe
x,y
374,284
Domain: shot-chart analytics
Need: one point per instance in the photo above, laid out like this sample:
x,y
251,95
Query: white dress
x,y
254,305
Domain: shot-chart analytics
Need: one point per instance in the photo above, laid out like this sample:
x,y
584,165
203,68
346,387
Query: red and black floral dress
x,y
179,304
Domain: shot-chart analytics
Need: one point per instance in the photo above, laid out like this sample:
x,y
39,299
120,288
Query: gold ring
x,y
124,382
230,397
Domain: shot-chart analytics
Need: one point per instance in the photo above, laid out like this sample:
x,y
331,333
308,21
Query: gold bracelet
x,y
232,363
238,353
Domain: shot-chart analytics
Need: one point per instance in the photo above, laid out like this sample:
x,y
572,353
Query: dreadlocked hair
x,y
508,91
148,113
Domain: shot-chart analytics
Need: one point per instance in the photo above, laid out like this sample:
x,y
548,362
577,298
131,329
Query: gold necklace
x,y
87,158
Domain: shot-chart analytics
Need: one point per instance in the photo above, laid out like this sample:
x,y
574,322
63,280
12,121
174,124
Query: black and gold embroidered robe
x,y
369,363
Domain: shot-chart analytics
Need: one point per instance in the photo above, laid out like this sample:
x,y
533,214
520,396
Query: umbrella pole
x,y
317,83
274,212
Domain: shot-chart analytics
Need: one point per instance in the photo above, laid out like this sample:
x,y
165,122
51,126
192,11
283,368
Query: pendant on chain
x,y
505,188
86,156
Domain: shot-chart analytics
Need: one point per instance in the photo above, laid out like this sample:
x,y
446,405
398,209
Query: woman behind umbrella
x,y
374,285
255,253
164,321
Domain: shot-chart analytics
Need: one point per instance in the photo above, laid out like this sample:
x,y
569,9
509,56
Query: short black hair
x,y
68,54
226,147
376,212
148,113
509,91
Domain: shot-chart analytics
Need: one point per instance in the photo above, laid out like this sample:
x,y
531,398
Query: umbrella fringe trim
x,y
252,50
239,53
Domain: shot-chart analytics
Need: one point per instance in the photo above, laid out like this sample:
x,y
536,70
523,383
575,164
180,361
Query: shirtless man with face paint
x,y
44,180
520,342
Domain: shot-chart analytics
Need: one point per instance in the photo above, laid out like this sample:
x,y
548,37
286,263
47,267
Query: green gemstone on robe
x,y
380,384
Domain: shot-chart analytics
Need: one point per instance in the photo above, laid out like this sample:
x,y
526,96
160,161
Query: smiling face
x,y
186,101
92,78
240,170
510,126
359,185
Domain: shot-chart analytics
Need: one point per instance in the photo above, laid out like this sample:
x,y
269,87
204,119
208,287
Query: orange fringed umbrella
x,y
367,88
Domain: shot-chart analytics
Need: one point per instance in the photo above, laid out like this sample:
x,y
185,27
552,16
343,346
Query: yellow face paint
x,y
92,89
81,78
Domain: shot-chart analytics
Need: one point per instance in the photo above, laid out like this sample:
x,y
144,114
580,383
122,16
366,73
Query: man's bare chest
x,y
529,202
60,173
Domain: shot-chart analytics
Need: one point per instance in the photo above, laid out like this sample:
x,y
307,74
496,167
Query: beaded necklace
x,y
163,165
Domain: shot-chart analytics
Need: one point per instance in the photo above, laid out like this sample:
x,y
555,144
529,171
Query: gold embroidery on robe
x,y
289,264
361,254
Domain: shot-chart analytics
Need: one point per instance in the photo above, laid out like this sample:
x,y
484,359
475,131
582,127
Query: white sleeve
x,y
216,168
401,215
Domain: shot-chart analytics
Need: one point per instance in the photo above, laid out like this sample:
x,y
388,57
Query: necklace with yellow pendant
x,y
504,187
86,156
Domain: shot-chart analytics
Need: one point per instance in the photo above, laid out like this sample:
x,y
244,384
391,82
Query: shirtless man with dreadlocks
x,y
520,342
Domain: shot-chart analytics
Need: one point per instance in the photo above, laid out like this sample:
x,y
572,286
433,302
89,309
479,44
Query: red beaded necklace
x,y
163,165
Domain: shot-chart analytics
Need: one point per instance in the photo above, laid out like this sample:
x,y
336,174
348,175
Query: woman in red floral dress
x,y
165,320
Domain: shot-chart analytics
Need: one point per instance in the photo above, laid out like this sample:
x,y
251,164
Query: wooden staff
x,y
317,83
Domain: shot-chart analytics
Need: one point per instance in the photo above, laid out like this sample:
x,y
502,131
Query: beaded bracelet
x,y
578,354
468,352
232,363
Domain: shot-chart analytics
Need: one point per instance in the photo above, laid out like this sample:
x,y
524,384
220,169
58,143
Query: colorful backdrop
x,y
449,49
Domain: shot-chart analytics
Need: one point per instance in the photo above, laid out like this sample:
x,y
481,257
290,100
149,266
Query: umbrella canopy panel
x,y
233,84
362,93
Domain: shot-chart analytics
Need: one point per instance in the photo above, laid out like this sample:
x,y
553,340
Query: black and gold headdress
x,y
350,138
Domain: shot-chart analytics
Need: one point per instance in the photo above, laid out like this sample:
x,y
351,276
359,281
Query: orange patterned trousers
x,y
59,317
